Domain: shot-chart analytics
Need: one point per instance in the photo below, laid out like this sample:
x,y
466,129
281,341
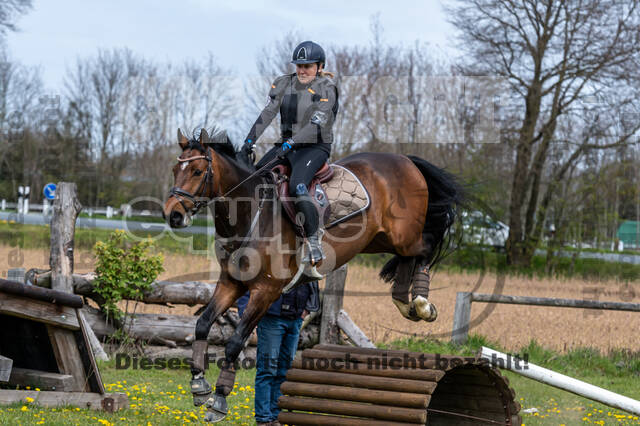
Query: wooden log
x,y
430,359
390,361
403,373
87,357
107,402
5,368
378,412
361,381
332,304
42,380
395,399
42,294
66,208
353,331
159,327
161,293
48,313
68,358
306,419
97,351
564,303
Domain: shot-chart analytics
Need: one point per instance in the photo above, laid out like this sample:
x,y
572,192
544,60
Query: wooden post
x,y
461,318
332,304
66,208
5,368
352,331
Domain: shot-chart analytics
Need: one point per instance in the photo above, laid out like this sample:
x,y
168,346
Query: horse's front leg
x,y
223,297
261,297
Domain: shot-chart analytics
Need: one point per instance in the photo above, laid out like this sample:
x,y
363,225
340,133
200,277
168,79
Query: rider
x,y
308,102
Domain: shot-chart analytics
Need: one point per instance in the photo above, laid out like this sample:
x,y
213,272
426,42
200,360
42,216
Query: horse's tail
x,y
445,196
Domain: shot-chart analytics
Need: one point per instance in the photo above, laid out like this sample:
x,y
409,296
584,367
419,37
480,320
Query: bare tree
x,y
9,12
555,55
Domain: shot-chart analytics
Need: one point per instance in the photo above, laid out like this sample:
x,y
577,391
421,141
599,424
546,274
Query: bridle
x,y
196,197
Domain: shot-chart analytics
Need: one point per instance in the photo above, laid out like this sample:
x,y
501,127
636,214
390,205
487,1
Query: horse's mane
x,y
219,141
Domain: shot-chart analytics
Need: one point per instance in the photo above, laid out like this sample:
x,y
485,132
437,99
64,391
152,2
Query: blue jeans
x,y
277,344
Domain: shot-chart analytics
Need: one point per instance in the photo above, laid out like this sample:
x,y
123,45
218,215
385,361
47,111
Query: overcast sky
x,y
55,33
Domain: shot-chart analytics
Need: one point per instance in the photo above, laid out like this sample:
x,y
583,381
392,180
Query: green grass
x,y
161,397
37,237
618,371
156,397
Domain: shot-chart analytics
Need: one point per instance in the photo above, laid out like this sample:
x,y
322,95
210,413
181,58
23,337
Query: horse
x,y
412,205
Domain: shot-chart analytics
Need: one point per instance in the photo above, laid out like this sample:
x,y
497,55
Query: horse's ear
x,y
182,140
204,137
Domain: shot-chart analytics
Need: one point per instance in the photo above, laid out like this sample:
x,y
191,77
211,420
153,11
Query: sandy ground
x,y
368,302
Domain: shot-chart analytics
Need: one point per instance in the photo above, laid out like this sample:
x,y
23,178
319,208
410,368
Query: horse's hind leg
x,y
223,297
410,291
420,282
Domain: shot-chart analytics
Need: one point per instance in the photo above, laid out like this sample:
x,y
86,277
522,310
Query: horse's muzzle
x,y
176,219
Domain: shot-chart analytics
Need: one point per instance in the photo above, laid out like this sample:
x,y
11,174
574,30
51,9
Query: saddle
x,y
282,172
336,192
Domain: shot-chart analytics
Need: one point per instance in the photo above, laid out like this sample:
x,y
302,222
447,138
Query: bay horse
x,y
412,206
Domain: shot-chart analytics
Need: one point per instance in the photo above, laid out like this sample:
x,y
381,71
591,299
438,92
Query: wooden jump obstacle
x,y
342,385
44,345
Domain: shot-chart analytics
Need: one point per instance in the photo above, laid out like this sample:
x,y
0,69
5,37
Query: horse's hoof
x,y
423,309
201,390
216,409
214,417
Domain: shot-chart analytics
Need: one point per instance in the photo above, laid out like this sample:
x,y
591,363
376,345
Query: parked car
x,y
478,228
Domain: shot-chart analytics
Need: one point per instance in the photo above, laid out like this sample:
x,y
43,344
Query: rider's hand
x,y
304,314
247,149
248,146
287,145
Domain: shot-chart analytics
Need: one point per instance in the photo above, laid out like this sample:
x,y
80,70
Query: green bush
x,y
124,271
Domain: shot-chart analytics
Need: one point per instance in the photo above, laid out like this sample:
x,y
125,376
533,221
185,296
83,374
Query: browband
x,y
196,157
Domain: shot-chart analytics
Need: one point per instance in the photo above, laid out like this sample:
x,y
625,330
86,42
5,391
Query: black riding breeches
x,y
304,162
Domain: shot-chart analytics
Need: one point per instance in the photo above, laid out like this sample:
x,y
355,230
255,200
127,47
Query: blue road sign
x,y
49,191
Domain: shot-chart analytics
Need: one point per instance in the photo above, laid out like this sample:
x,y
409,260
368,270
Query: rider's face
x,y
306,72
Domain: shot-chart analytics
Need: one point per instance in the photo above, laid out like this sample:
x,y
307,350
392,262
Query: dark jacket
x,y
290,305
307,111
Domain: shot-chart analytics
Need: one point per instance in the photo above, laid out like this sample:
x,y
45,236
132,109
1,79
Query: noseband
x,y
181,194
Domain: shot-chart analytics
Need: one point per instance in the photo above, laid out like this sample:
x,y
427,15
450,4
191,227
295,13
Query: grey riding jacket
x,y
307,111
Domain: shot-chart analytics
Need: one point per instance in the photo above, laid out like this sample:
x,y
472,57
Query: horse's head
x,y
193,177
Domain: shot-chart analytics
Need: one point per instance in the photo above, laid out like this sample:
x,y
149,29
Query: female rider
x,y
308,102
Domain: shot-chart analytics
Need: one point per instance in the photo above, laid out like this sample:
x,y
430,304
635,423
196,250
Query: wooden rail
x,y
462,314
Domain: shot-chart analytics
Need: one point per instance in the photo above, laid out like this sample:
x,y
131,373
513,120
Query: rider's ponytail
x,y
326,74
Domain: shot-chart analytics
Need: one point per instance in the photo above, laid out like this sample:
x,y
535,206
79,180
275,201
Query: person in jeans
x,y
278,334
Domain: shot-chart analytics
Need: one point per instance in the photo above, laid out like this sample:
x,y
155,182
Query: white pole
x,y
25,209
3,205
563,382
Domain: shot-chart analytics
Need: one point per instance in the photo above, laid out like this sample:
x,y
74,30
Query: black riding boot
x,y
310,224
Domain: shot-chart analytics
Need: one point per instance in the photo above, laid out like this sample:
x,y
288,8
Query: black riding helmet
x,y
308,52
